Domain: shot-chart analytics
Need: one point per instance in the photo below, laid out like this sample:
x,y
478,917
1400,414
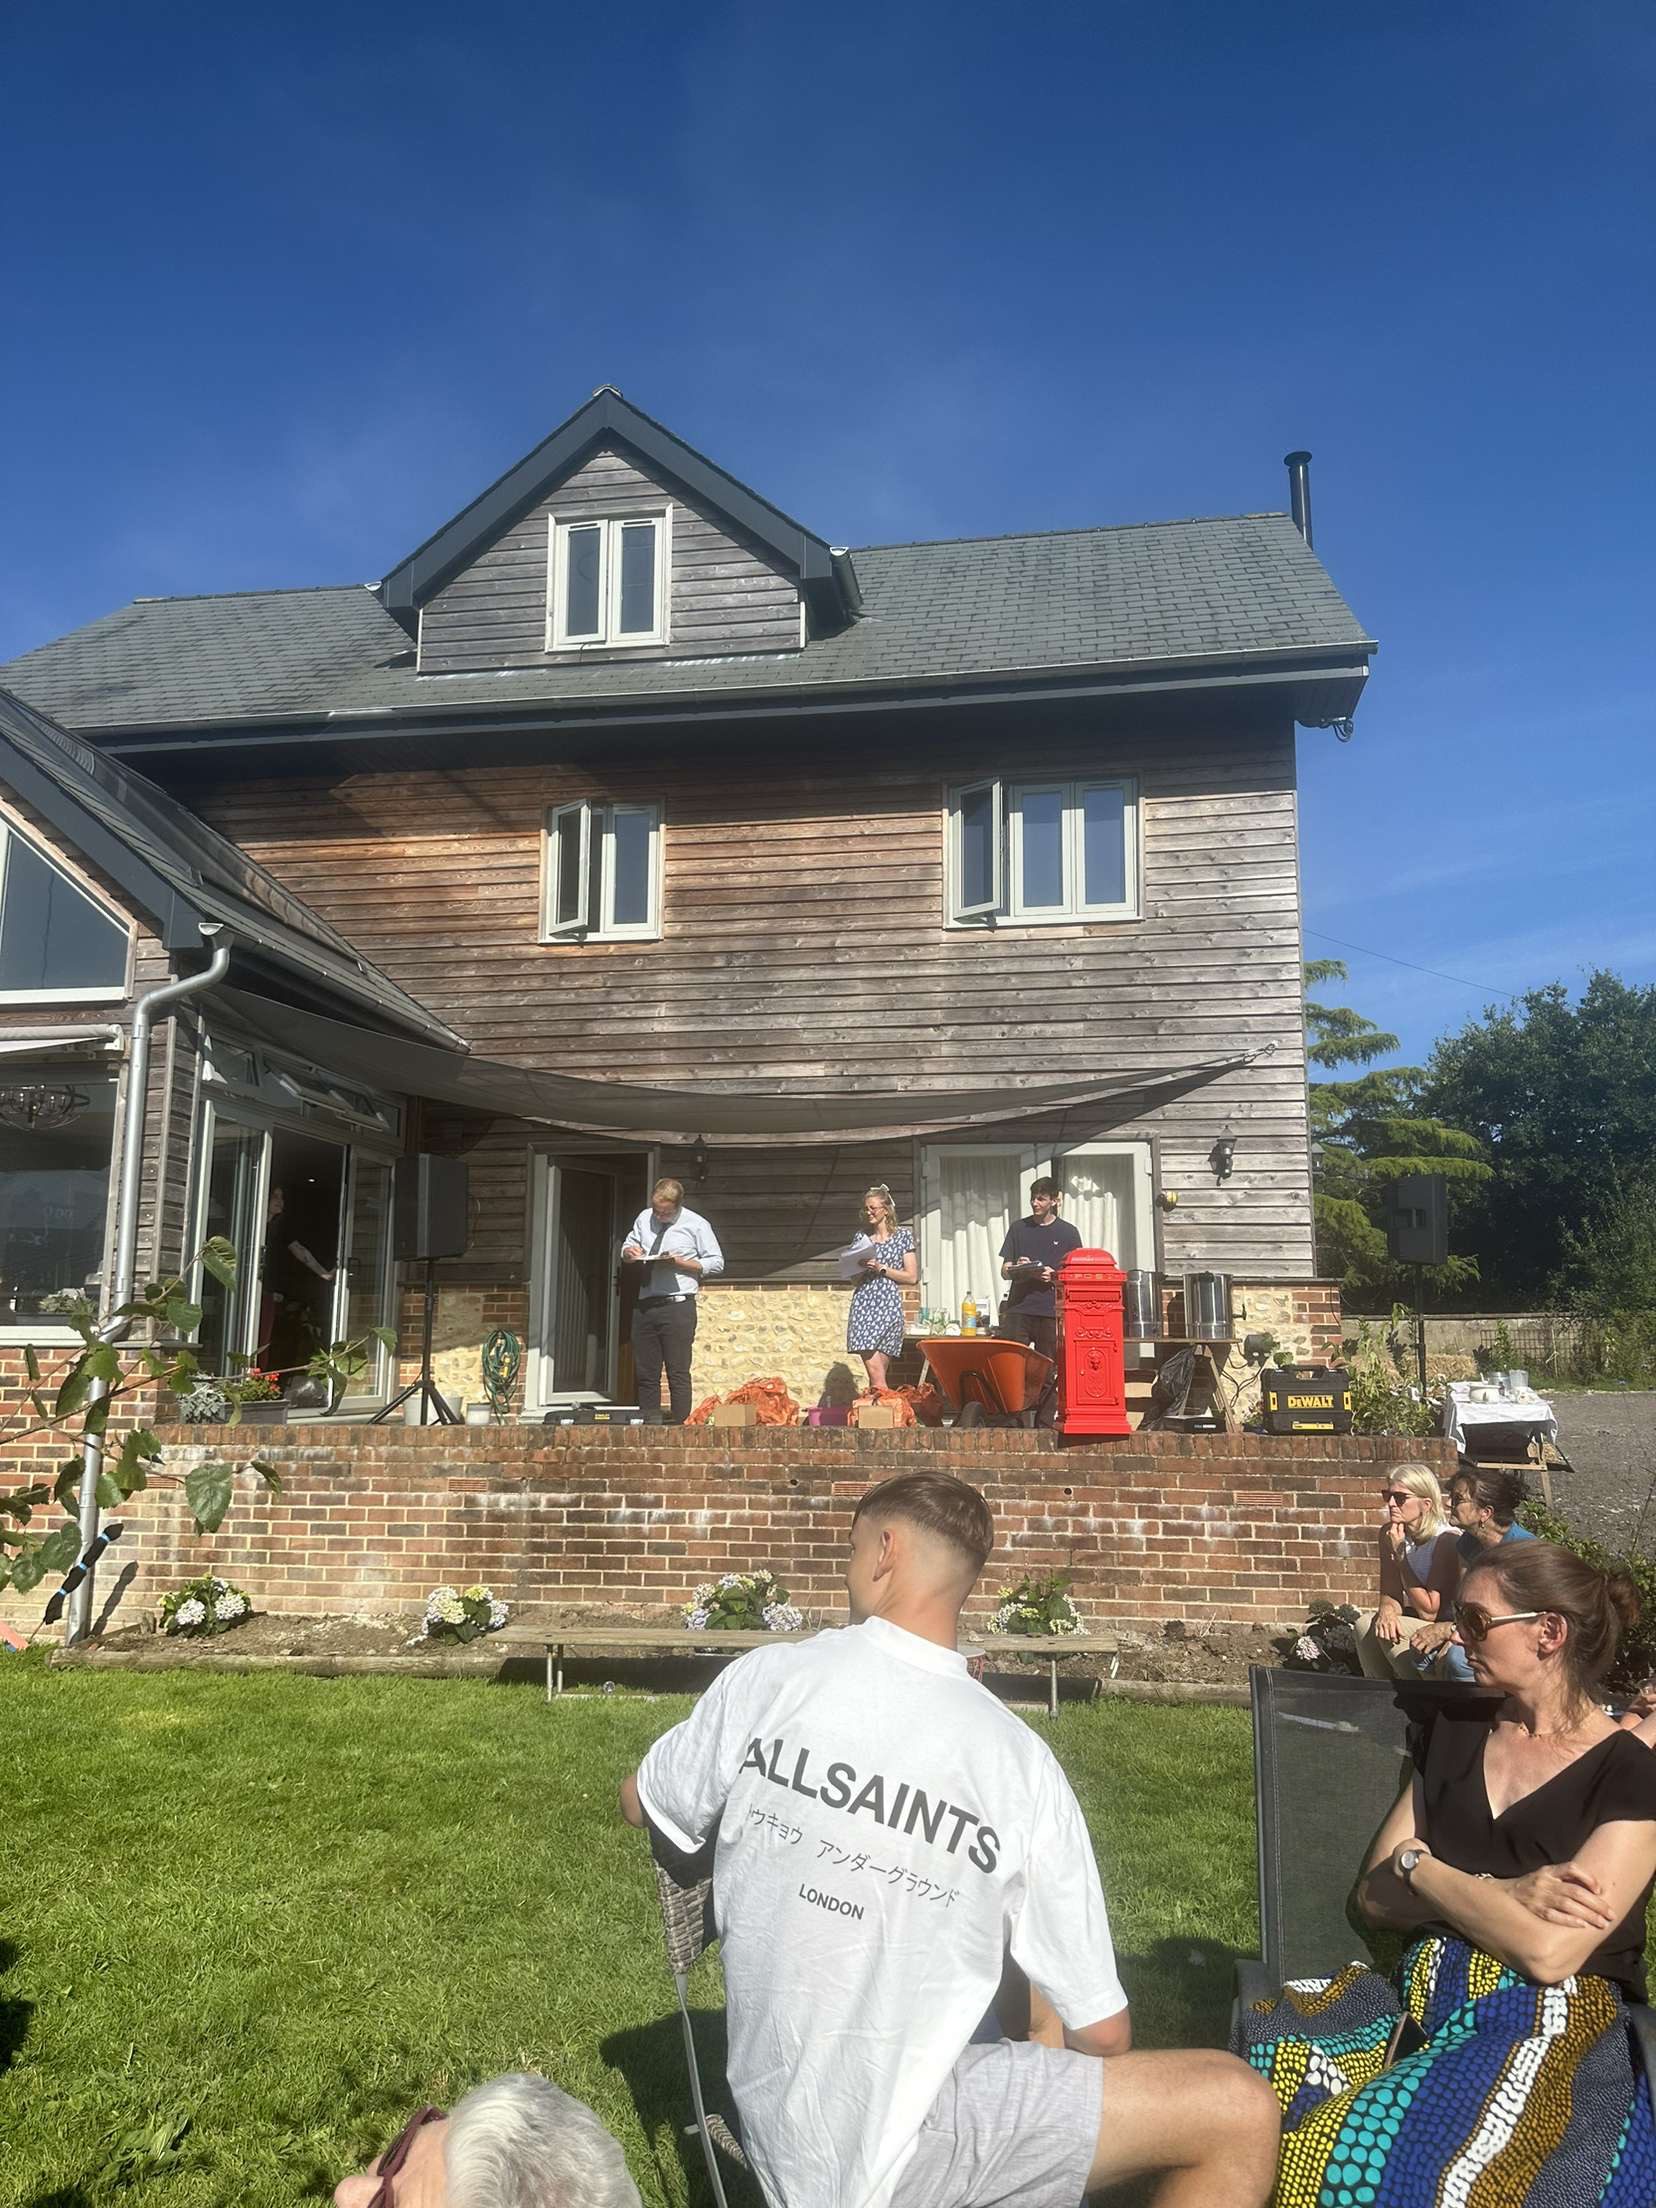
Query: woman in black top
x,y
1520,1858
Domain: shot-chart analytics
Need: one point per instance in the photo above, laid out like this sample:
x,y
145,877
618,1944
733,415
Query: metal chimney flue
x,y
1298,465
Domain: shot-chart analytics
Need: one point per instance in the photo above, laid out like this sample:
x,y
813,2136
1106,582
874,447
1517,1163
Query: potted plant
x,y
255,1397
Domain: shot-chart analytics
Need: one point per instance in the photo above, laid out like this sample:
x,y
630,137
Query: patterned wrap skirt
x,y
1521,2094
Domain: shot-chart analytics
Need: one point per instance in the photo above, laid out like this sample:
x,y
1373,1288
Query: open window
x,y
601,873
56,939
607,582
1031,852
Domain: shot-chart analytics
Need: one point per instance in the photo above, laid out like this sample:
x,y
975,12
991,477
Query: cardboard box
x,y
872,1416
734,1414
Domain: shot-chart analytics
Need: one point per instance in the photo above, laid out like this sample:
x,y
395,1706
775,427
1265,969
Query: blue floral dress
x,y
875,1323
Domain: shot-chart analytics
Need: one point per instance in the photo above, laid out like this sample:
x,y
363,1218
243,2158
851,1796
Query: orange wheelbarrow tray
x,y
982,1375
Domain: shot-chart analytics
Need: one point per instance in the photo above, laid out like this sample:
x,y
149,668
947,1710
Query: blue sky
x,y
291,285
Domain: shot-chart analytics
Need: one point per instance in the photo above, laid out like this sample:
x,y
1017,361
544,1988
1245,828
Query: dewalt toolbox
x,y
1305,1399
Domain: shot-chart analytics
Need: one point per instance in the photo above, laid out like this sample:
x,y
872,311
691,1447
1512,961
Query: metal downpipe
x,y
126,1240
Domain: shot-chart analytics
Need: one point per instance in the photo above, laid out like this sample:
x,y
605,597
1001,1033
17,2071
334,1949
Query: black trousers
x,y
662,1334
1042,1337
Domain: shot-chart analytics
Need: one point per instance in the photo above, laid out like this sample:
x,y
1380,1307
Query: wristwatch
x,y
1408,1862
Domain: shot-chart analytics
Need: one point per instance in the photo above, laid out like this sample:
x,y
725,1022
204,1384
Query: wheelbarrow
x,y
987,1381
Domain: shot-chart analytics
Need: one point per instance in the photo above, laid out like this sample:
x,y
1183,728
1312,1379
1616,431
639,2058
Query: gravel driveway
x,y
1610,1440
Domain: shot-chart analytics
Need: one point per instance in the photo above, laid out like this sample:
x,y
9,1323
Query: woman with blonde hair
x,y
1420,1569
884,1265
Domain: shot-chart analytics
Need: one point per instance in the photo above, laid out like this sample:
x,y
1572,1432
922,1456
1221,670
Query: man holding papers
x,y
677,1251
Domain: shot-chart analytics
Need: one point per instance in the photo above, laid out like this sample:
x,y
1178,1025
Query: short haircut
x,y
519,2141
939,1505
668,1187
1502,1494
1045,1186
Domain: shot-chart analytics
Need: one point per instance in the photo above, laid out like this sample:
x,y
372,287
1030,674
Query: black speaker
x,y
1417,1220
429,1208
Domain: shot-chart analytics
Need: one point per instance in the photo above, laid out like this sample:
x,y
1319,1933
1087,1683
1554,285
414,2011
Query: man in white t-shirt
x,y
887,1834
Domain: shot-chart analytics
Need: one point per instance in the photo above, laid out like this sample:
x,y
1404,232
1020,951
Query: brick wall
x,y
1207,1528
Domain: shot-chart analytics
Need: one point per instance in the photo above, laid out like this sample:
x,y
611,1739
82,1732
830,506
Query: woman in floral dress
x,y
874,1328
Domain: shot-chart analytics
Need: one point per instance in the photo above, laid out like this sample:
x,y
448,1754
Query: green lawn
x,y
248,1922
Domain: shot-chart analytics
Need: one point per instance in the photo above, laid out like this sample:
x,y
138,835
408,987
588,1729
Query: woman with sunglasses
x,y
1420,1568
1498,2064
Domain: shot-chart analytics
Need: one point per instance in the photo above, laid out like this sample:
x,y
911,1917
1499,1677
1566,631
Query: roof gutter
x,y
126,1243
394,724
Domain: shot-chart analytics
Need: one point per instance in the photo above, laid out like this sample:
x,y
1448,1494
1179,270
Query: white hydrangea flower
x,y
447,1609
477,1594
499,1612
696,1618
782,1617
229,1607
731,1579
1306,1649
193,1612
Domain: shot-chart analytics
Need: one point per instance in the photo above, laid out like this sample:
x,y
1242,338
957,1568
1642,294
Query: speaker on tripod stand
x,y
428,1221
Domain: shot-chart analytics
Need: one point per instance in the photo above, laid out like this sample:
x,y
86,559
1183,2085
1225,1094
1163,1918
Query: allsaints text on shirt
x,y
903,1808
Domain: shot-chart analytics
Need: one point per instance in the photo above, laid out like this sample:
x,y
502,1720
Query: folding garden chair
x,y
1330,1754
684,1887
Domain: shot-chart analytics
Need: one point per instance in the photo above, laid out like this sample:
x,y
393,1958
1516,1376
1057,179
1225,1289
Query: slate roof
x,y
1151,595
214,878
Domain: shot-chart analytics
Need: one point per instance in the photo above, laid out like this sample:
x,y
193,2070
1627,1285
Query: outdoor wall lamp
x,y
698,1163
1222,1157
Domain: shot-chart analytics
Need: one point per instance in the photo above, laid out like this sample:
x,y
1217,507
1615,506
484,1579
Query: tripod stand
x,y
431,1396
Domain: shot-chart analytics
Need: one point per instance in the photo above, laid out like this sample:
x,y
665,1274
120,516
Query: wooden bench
x,y
678,1640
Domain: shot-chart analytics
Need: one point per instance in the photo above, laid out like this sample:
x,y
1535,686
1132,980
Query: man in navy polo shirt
x,y
1030,1257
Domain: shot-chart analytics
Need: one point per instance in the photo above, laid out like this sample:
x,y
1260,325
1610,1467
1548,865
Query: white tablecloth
x,y
1530,1414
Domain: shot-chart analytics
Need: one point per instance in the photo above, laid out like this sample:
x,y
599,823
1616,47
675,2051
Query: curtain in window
x,y
1099,1202
979,1194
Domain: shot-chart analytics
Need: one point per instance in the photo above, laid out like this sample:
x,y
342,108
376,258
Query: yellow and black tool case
x,y
1305,1399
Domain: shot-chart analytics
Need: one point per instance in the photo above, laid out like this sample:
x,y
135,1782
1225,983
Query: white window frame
x,y
609,636
597,820
112,994
1032,1165
1008,909
43,1331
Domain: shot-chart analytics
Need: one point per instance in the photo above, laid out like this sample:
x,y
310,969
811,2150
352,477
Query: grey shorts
x,y
1015,2126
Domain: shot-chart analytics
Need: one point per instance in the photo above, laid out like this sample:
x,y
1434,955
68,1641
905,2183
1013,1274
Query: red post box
x,y
1092,1368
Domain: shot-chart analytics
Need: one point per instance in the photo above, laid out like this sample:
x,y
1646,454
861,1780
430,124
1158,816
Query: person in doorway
x,y
886,1833
1419,1572
1029,1260
517,2141
283,1298
1484,1505
677,1250
884,1254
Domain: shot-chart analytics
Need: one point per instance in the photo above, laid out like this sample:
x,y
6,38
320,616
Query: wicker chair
x,y
1330,1755
684,1887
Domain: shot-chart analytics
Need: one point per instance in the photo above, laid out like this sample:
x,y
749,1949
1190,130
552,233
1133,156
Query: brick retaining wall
x,y
1206,1528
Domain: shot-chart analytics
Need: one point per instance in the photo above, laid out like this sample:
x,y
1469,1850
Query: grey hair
x,y
519,2141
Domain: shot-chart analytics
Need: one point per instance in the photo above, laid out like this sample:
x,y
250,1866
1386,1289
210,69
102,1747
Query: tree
x,y
1609,1268
1365,1133
1563,1096
72,1408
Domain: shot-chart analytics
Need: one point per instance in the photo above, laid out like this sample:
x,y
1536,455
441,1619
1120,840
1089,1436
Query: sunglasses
x,y
1398,1495
398,2152
1473,1621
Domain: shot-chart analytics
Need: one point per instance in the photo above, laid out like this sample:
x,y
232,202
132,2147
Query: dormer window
x,y
608,583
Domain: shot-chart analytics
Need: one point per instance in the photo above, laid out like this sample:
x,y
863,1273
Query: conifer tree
x,y
1366,1132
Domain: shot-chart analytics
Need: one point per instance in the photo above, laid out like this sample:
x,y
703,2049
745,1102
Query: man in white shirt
x,y
887,1834
677,1250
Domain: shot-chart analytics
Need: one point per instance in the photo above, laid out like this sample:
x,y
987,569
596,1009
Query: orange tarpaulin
x,y
772,1404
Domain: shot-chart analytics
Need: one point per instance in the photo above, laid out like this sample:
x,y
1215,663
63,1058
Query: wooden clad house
x,y
646,830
